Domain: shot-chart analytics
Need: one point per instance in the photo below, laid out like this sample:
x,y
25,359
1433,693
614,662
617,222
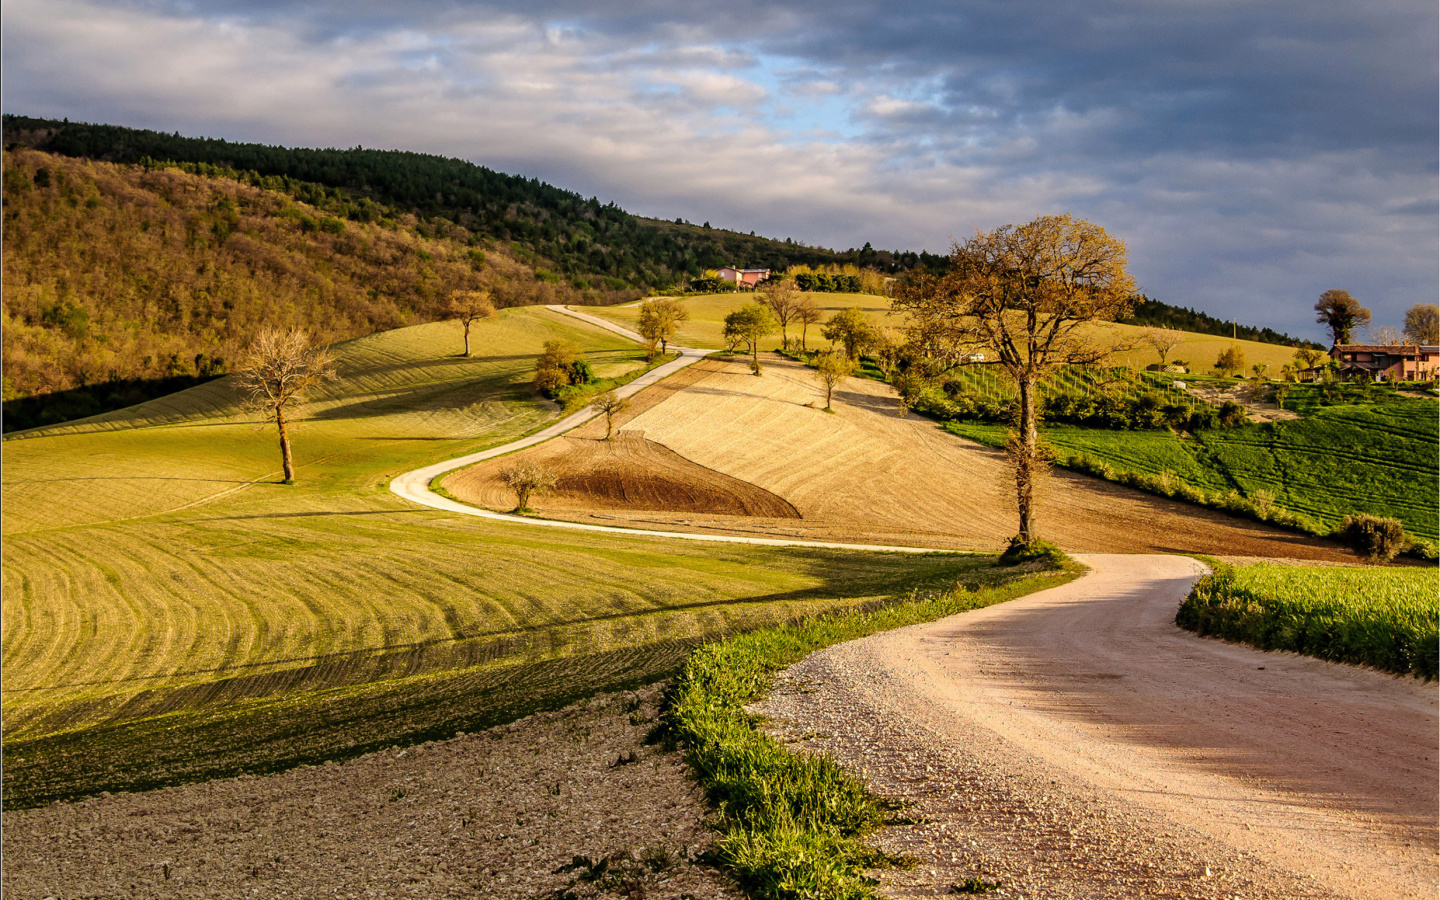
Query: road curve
x,y
415,485
1104,751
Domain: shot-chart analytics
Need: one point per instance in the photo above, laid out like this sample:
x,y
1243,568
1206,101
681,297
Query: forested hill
x,y
123,283
1153,312
589,243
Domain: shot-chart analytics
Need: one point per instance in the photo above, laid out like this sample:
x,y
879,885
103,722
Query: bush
x,y
1021,551
1374,539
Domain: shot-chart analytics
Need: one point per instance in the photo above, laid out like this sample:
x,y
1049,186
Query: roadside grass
x,y
1378,459
1382,618
792,824
172,613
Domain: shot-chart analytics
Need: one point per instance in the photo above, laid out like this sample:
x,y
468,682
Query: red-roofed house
x,y
744,277
1387,362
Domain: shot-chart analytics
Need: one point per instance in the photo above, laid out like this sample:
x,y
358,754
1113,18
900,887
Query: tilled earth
x,y
561,805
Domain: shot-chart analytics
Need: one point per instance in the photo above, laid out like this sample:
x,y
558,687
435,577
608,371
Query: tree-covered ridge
x,y
1153,312
118,277
591,244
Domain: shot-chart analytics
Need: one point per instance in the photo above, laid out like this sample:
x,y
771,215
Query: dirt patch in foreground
x,y
504,813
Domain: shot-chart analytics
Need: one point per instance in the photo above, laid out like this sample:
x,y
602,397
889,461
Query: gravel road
x,y
1075,743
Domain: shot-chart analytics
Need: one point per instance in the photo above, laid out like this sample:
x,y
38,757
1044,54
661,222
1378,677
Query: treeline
x,y
584,242
1154,312
124,282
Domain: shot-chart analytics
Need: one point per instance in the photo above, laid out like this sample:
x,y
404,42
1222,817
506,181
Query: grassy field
x,y
1379,459
707,324
1384,618
172,613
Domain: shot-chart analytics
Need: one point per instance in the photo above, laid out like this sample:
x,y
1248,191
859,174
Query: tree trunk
x,y
804,328
522,495
1027,460
467,339
284,444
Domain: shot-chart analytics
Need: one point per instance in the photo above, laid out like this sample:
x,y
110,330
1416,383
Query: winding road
x,y
1077,743
415,485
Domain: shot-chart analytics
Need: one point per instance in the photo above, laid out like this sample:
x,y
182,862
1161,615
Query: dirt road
x,y
1075,743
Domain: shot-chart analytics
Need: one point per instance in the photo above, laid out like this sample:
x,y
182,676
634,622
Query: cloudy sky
x,y
1252,154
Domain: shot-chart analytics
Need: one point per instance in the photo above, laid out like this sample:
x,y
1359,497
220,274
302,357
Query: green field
x,y
1384,618
1378,459
172,613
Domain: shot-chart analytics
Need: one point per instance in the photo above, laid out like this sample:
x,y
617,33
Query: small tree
x,y
783,302
610,404
280,368
560,365
1422,324
659,319
526,479
850,328
831,369
1163,340
469,307
807,313
1341,313
749,324
1260,369
1231,361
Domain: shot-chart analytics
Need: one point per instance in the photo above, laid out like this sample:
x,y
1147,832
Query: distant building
x,y
1387,362
744,277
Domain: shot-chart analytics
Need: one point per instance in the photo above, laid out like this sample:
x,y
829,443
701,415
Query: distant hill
x,y
589,243
1153,312
122,283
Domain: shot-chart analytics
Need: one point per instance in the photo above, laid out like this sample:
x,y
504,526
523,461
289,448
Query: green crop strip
x,y
1383,618
793,824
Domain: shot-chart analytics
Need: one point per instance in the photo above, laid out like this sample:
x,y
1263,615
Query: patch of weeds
x,y
976,886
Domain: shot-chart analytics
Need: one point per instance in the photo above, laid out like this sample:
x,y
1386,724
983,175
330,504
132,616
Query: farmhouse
x,y
744,277
1387,362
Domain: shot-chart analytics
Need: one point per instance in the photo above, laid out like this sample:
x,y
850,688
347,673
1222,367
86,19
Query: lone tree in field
x,y
850,328
807,313
783,302
1163,340
610,405
526,479
659,318
280,367
749,324
469,307
1341,313
831,369
1422,324
1024,294
1231,361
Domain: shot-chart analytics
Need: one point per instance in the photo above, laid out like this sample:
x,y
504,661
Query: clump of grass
x,y
792,823
1383,618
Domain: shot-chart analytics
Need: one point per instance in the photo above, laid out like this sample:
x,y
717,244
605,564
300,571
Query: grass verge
x,y
1383,618
792,823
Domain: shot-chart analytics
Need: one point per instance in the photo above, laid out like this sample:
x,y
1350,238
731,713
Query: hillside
x,y
168,604
583,239
125,282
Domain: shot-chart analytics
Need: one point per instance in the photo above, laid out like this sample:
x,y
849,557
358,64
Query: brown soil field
x,y
858,475
503,813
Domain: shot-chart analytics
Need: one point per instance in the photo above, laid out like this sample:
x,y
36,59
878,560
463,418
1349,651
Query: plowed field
x,y
863,474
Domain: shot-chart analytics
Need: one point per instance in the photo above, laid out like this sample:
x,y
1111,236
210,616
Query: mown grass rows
x,y
1383,618
793,823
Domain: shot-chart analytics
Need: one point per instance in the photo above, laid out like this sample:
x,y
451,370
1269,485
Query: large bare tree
x,y
469,307
1023,293
281,367
783,301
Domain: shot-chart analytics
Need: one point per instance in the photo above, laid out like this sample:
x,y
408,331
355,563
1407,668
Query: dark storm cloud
x,y
1253,154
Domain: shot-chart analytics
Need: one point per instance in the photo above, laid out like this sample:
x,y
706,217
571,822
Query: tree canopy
x,y
1341,313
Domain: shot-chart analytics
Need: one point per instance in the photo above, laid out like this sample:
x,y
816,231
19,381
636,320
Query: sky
x,y
1250,154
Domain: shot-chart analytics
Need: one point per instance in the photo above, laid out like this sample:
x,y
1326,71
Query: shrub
x,y
1021,551
1374,539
